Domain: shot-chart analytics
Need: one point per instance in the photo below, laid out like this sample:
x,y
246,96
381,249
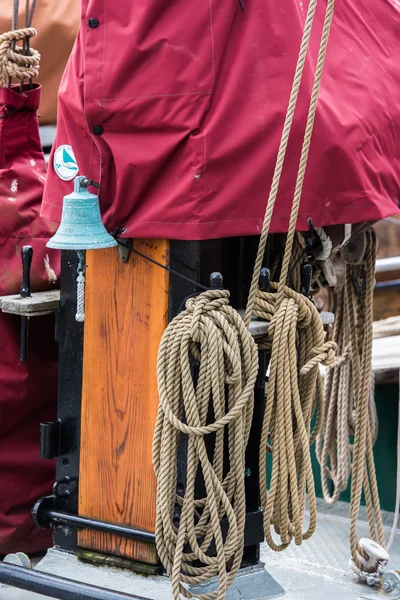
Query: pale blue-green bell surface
x,y
81,227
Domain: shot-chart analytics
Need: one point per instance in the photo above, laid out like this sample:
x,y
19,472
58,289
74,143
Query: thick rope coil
x,y
294,397
80,297
17,62
350,407
211,335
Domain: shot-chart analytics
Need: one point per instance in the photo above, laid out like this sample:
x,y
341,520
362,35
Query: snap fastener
x,y
93,23
98,130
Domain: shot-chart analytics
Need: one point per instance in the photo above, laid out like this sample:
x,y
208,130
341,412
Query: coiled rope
x,y
350,405
19,62
294,397
210,332
14,63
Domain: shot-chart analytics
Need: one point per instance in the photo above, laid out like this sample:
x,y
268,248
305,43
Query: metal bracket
x,y
45,507
50,439
386,582
124,248
65,487
41,510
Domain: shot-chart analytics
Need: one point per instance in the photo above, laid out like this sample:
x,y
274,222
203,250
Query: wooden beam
x,y
126,310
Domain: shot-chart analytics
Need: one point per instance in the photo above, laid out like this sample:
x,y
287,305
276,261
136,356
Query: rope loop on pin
x,y
17,62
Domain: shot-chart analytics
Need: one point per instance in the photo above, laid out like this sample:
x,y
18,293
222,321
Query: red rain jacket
x,y
28,391
178,107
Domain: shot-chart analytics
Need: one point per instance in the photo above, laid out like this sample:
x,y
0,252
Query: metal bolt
x,y
372,580
387,586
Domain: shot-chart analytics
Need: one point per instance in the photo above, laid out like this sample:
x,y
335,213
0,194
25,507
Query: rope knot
x,y
202,305
15,61
341,361
322,355
266,307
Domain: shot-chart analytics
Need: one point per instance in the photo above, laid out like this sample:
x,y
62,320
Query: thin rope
x,y
363,470
165,267
350,409
397,506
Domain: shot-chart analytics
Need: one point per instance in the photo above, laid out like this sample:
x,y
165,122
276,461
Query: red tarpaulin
x,y
178,107
28,391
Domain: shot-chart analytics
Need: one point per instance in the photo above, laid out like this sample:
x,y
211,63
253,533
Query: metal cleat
x,y
372,566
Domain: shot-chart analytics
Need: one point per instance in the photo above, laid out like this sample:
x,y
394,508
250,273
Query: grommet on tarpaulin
x,y
81,228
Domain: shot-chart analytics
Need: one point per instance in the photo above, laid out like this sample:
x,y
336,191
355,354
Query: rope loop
x,y
15,61
202,305
266,305
322,355
294,395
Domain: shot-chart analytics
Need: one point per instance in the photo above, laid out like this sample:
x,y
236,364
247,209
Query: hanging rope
x,y
397,503
334,448
350,405
209,331
294,396
294,390
212,334
19,62
360,313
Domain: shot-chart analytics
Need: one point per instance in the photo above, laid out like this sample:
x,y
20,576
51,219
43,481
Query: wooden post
x,y
126,309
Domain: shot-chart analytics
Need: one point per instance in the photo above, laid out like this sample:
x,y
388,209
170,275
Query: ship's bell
x,y
81,227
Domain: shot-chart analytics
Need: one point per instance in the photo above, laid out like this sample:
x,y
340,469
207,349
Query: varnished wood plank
x,y
126,310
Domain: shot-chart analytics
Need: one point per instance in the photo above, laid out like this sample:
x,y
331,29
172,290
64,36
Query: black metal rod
x,y
56,516
57,587
23,349
26,257
386,285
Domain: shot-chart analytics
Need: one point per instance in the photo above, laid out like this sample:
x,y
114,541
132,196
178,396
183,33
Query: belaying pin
x,y
25,292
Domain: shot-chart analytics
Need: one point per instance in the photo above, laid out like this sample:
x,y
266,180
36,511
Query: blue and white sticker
x,y
65,164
